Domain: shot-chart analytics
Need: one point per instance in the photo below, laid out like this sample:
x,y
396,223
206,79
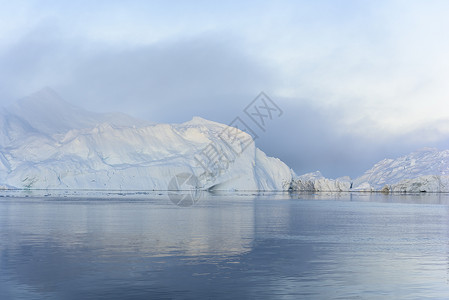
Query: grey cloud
x,y
209,75
170,82
309,138
39,58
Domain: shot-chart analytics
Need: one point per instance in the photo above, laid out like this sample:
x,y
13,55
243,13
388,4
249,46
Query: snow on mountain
x,y
426,170
47,143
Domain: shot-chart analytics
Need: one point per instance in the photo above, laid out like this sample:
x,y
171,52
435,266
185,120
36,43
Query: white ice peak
x,y
46,142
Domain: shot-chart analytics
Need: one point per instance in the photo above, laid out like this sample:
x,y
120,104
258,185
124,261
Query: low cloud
x,y
309,138
357,82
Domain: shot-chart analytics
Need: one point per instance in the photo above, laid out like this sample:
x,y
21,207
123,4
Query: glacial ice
x,y
425,170
46,143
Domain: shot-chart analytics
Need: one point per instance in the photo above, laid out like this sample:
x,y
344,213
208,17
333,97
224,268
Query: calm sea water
x,y
232,246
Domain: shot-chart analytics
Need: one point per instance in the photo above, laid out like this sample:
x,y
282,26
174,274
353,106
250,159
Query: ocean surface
x,y
139,245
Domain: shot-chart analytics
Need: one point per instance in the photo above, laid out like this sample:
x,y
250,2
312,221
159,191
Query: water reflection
x,y
412,198
269,245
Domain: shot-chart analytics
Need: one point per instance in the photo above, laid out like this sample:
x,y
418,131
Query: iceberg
x,y
316,182
47,143
425,170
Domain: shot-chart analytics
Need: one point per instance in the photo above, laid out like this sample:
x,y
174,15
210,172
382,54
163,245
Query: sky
x,y
357,81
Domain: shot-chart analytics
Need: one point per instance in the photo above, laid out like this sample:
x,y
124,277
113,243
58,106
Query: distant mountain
x,y
47,143
426,170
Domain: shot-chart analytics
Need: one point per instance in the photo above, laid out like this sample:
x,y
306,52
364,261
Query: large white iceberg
x,y
46,143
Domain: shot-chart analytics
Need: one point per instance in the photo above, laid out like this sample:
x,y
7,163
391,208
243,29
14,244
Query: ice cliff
x,y
315,182
47,143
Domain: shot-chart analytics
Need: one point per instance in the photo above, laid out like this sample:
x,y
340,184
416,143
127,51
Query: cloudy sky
x,y
357,80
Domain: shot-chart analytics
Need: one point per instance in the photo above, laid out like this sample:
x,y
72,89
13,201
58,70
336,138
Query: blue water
x,y
229,246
